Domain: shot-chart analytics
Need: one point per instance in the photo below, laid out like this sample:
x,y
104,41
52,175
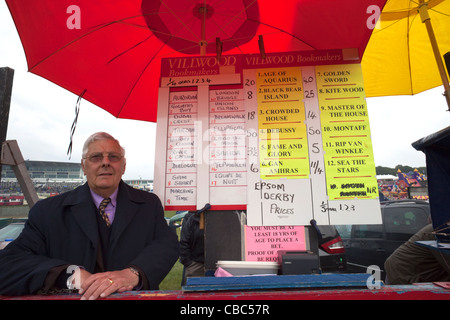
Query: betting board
x,y
286,138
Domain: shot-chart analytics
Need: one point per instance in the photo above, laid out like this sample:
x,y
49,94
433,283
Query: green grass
x,y
173,279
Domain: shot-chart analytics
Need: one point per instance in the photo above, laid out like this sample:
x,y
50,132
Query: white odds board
x,y
287,142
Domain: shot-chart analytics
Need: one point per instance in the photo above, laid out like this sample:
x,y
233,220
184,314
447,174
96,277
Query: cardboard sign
x,y
263,243
281,122
349,161
227,149
181,159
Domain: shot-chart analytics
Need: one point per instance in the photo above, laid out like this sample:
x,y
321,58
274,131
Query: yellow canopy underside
x,y
399,59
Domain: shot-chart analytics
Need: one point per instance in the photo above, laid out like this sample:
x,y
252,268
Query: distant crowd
x,y
47,187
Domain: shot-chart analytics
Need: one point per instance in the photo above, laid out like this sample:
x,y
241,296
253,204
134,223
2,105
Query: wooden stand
x,y
9,150
12,156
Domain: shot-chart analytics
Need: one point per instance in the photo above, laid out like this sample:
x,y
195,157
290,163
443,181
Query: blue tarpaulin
x,y
267,282
437,151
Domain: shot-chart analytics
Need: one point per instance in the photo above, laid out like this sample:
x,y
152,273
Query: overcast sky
x,y
41,115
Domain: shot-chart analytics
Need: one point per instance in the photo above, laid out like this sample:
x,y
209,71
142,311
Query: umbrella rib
x,y
439,12
408,27
141,42
99,27
139,77
154,31
384,28
234,18
137,80
409,11
179,19
129,49
290,34
173,35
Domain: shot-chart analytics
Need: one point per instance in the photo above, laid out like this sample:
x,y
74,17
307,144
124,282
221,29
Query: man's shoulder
x,y
139,195
63,199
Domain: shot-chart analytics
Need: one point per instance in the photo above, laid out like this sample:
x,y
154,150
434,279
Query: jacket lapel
x,y
83,210
126,210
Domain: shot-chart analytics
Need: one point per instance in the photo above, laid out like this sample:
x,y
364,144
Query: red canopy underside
x,y
116,58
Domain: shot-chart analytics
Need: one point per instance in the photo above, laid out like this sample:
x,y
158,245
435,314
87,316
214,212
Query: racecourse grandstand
x,y
48,171
52,178
49,178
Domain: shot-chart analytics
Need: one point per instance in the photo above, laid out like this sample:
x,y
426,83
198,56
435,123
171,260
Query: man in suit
x,y
68,243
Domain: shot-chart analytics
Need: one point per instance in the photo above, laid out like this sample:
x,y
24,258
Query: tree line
x,y
393,171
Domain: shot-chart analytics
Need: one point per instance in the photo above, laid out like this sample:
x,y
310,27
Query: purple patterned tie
x,y
102,207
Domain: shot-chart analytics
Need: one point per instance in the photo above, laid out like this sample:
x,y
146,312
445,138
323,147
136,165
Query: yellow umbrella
x,y
403,56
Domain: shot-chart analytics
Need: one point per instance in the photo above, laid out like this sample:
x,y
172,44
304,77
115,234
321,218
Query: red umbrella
x,y
110,51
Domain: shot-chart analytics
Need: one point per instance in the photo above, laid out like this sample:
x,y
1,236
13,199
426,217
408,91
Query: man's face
x,y
103,175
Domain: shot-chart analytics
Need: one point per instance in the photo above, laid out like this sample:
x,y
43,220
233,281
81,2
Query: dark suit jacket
x,y
63,230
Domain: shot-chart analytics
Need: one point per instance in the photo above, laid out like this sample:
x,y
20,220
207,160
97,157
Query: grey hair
x,y
100,136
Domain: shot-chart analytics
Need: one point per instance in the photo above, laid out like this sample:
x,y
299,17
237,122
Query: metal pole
x,y
203,43
423,11
6,83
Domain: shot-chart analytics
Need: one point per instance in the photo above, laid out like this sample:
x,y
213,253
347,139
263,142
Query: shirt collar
x,y
98,199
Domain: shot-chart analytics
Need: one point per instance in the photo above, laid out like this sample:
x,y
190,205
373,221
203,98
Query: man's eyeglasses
x,y
98,157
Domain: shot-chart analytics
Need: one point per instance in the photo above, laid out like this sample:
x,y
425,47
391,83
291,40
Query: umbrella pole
x,y
203,42
423,11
